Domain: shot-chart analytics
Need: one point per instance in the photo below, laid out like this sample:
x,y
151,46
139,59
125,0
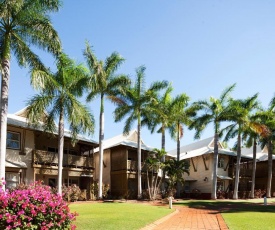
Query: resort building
x,y
261,169
32,155
120,165
200,157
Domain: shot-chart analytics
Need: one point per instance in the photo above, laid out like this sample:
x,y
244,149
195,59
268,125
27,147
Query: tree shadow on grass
x,y
228,206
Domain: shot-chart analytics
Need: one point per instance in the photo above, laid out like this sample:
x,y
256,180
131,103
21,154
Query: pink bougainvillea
x,y
34,206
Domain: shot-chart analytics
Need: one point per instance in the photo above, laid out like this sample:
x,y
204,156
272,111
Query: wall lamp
x,y
205,179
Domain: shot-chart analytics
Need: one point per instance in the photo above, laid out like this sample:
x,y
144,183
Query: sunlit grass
x,y
115,216
249,214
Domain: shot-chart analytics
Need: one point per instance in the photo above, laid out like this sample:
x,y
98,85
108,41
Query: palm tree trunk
x,y
237,174
253,169
101,138
60,151
4,114
269,175
178,142
178,156
148,181
163,138
163,158
139,159
215,166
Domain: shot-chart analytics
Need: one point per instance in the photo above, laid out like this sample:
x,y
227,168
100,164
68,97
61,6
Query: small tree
x,y
154,165
174,170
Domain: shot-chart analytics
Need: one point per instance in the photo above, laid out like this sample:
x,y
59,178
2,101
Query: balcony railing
x,y
131,165
41,157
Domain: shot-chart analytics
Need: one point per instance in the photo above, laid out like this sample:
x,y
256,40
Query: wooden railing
x,y
41,157
131,165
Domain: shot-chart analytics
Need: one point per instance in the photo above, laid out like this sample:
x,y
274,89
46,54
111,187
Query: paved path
x,y
185,218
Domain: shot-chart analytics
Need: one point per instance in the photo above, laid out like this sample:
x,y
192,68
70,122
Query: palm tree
x,y
253,136
174,170
160,115
154,164
105,83
267,118
136,104
240,113
214,111
180,115
58,94
22,23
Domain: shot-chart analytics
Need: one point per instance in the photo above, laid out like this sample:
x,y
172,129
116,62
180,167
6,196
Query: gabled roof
x,y
129,140
261,154
199,148
19,120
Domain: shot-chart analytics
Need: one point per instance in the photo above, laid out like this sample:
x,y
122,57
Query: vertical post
x,y
265,201
170,202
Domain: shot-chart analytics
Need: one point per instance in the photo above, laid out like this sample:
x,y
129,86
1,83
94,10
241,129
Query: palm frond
x,y
112,63
225,94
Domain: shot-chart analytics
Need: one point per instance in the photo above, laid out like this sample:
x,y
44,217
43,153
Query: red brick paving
x,y
185,218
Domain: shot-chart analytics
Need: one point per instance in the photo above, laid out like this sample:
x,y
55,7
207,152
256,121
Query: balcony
x,y
131,165
41,157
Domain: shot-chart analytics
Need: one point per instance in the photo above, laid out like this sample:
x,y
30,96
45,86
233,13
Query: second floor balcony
x,y
41,157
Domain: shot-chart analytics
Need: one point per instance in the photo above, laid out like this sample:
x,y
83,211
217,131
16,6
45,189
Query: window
x,y
12,179
71,181
70,151
220,185
13,140
221,162
52,150
52,182
186,186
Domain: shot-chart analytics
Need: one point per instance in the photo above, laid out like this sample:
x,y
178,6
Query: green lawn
x,y
250,216
241,214
238,215
121,216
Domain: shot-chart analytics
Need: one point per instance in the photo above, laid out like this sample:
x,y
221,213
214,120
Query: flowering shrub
x,y
34,206
71,193
94,190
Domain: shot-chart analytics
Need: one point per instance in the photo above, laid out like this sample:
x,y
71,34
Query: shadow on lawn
x,y
228,206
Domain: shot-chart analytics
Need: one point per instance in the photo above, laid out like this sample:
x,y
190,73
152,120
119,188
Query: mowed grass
x,y
115,216
252,217
241,214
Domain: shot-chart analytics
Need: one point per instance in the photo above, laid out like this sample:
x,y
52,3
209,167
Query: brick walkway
x,y
185,218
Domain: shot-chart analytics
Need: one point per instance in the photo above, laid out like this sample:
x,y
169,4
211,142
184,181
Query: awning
x,y
188,178
14,164
224,177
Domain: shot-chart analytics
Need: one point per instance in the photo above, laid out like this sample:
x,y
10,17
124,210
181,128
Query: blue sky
x,y
201,46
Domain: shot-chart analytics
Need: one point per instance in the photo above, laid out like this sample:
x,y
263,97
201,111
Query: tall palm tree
x,y
215,111
240,113
135,103
160,114
58,93
22,23
267,118
180,115
252,136
106,84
